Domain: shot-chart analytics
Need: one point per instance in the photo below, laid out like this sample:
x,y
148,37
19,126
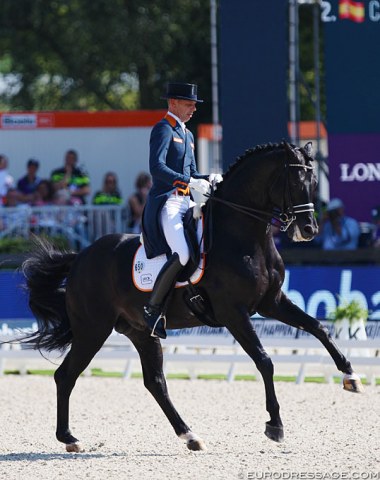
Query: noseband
x,y
286,216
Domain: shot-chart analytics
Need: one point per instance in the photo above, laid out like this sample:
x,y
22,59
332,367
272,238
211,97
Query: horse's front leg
x,y
287,312
242,329
150,352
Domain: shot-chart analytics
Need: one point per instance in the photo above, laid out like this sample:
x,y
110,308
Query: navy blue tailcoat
x,y
171,163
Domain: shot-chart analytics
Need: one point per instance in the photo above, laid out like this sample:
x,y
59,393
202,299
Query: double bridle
x,y
285,216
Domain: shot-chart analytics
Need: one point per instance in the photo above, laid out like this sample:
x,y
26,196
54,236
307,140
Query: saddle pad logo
x,y
146,279
145,271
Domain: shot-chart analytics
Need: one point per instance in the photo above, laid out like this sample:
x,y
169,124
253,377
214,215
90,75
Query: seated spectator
x,y
338,231
137,200
110,194
12,198
15,215
44,194
375,212
62,197
71,178
6,180
27,184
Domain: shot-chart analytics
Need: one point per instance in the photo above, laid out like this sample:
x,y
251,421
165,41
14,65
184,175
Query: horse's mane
x,y
248,154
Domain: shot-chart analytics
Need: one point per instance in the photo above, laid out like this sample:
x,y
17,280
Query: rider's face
x,y
184,109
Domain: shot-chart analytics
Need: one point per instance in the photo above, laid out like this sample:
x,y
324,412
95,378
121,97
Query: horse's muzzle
x,y
304,233
309,231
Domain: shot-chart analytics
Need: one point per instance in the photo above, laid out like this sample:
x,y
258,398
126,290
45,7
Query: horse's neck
x,y
249,187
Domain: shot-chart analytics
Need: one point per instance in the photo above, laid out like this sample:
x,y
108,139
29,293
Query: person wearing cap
x,y
375,214
27,185
174,175
338,231
137,201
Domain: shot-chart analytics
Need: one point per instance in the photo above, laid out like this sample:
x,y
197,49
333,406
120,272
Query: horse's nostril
x,y
308,229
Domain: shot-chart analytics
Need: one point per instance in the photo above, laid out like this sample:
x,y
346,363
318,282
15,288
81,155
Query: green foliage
x,y
306,57
101,55
14,245
349,310
22,245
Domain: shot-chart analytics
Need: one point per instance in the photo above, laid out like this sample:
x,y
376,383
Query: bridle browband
x,y
285,217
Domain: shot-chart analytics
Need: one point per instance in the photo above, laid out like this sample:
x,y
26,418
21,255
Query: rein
x,y
285,217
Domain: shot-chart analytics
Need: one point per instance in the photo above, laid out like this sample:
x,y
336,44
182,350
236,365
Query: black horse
x,y
79,298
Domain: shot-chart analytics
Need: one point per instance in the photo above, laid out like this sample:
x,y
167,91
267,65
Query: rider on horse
x,y
174,173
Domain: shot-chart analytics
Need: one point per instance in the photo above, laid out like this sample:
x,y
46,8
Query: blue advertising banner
x,y
253,74
13,298
352,76
316,290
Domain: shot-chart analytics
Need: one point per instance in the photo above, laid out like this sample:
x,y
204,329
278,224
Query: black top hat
x,y
183,91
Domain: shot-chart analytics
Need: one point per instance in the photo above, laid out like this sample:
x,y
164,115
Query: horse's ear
x,y
308,148
288,147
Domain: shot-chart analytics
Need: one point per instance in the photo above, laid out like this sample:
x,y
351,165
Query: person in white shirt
x,y
6,180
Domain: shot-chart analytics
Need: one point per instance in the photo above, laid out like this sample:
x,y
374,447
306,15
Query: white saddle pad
x,y
145,271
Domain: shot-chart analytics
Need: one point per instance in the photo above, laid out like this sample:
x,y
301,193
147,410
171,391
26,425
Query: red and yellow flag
x,y
351,10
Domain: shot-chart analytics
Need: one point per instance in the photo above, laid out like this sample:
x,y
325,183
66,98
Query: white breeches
x,y
171,218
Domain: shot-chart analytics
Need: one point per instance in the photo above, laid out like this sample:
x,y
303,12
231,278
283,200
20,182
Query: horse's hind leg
x,y
80,355
288,313
245,334
150,352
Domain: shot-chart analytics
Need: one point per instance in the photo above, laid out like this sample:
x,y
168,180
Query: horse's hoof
x,y
274,433
193,442
74,447
352,383
196,445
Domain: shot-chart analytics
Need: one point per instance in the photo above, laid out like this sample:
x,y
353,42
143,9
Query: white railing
x,y
81,224
291,356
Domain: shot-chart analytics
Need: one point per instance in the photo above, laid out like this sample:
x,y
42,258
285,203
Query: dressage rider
x,y
174,173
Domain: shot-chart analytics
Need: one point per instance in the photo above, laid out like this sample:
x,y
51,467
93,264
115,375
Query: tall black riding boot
x,y
165,282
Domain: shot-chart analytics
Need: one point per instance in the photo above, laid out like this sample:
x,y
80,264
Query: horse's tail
x,y
45,272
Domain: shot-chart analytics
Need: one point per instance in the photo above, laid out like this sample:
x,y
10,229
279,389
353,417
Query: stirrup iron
x,y
163,317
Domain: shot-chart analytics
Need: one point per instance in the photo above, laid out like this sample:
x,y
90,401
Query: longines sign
x,y
355,172
352,77
360,172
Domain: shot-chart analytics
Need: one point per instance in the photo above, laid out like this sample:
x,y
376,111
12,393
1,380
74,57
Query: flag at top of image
x,y
351,10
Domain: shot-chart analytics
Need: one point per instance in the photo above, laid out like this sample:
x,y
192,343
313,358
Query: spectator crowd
x,y
337,230
70,185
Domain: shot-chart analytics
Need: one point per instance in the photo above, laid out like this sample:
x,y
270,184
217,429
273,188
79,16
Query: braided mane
x,y
248,154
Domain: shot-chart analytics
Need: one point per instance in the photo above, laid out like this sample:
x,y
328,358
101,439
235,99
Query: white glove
x,y
215,178
200,185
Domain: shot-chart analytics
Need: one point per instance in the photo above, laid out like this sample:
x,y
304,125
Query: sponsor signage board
x,y
352,73
316,290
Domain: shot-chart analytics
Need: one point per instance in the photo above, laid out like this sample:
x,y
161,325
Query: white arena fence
x,y
208,350
80,224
